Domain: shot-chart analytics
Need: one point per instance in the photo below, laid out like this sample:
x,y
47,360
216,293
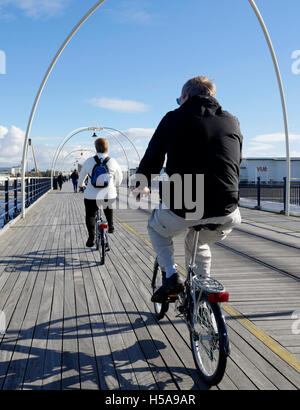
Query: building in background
x,y
268,169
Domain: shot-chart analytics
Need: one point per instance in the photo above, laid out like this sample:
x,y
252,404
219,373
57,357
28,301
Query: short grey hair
x,y
199,85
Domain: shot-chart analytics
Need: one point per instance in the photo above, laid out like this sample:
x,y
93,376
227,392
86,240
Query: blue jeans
x,y
75,184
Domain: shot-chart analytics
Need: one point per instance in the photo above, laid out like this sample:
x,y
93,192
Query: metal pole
x,y
37,98
34,157
284,109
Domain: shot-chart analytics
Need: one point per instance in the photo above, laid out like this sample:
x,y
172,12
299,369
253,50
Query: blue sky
x,y
126,66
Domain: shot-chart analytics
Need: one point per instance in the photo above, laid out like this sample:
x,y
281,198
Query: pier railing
x,y
272,191
10,195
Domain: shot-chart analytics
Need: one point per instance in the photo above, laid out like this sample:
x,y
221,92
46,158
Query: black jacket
x,y
199,138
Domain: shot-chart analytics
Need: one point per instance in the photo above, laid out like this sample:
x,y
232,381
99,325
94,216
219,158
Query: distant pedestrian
x,y
75,177
60,180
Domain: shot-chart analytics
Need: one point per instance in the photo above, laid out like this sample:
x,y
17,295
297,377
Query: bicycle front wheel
x,y
209,341
157,281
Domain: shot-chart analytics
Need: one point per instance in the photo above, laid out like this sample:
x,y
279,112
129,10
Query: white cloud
x,y
11,145
256,149
140,134
276,137
35,8
11,148
131,11
116,104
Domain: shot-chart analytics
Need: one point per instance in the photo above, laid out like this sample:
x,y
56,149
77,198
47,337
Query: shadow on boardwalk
x,y
32,363
47,260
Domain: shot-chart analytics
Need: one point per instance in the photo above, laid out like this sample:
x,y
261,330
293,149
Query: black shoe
x,y
111,229
90,242
171,286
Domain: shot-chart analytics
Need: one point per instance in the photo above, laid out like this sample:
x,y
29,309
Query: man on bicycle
x,y
95,197
199,138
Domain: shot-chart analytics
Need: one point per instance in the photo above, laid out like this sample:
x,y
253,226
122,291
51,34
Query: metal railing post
x,y
284,195
6,201
15,197
258,194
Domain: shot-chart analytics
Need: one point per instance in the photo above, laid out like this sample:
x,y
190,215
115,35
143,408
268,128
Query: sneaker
x,y
111,229
171,286
90,242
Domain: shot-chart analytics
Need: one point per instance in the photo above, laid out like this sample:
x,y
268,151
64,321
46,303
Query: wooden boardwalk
x,y
73,324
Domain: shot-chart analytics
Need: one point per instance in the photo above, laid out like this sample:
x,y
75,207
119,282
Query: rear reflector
x,y
103,226
218,297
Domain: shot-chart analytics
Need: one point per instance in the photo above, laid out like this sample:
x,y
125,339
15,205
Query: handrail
x,y
11,195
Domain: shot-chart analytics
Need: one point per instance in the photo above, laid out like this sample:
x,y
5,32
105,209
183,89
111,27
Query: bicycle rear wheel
x,y
209,341
102,246
157,281
97,234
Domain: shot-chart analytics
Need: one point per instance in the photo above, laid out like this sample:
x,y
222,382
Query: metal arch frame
x,y
37,98
71,135
59,148
76,28
76,150
283,103
126,136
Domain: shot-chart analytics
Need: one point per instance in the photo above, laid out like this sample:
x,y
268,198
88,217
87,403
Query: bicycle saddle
x,y
211,227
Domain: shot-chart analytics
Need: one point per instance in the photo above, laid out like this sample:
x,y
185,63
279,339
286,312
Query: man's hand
x,y
138,193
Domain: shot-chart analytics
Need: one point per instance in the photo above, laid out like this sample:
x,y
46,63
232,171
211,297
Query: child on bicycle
x,y
96,197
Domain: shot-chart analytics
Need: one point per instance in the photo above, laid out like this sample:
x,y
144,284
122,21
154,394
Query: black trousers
x,y
91,208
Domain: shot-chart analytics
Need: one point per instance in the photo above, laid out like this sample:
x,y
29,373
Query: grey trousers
x,y
163,225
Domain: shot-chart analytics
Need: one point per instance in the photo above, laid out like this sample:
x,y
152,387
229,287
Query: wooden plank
x,y
15,306
22,348
70,354
33,378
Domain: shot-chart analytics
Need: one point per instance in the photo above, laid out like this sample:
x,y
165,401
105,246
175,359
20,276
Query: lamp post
x,y
37,98
284,109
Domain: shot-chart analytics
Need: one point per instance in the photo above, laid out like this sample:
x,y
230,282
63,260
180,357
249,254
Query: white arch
x,y
283,103
76,28
37,98
71,135
75,150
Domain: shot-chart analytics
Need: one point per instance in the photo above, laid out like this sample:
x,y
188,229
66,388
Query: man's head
x,y
197,86
101,145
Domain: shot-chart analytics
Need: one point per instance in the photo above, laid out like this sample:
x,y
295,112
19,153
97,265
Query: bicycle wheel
x,y
102,246
157,280
209,341
97,235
